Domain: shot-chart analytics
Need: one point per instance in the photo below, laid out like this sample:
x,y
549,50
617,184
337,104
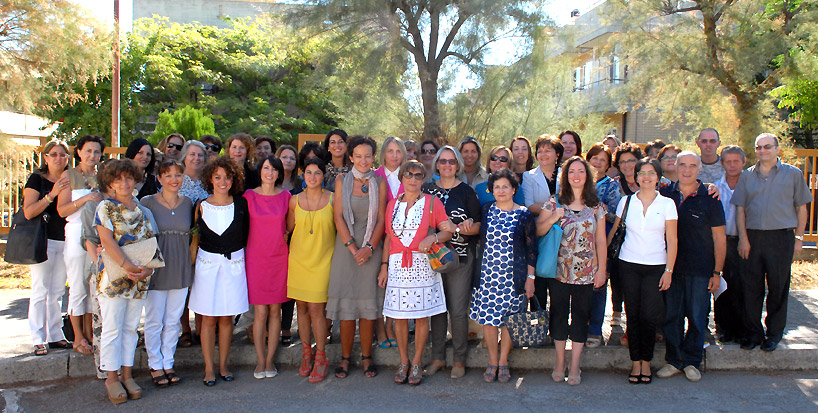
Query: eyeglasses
x,y
176,146
497,158
629,161
646,173
428,151
212,148
57,155
447,161
417,175
767,146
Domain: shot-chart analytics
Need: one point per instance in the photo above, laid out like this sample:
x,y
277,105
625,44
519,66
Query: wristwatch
x,y
799,237
457,229
719,273
531,276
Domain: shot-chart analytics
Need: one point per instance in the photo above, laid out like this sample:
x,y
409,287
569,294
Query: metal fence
x,y
807,161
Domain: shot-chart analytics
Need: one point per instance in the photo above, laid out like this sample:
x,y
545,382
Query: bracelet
x,y
48,198
669,270
75,204
371,248
348,243
437,241
531,276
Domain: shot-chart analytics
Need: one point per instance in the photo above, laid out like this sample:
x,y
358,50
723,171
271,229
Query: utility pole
x,y
115,82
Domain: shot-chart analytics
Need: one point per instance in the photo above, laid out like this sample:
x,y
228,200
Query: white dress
x,y
414,291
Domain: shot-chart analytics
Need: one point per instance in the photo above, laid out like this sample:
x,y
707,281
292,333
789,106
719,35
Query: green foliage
x,y
802,97
192,123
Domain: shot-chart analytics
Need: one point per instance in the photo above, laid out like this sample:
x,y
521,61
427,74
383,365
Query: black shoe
x,y
226,378
748,344
209,383
769,345
726,338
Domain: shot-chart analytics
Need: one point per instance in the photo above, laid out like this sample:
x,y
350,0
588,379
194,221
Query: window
x,y
614,71
578,78
589,67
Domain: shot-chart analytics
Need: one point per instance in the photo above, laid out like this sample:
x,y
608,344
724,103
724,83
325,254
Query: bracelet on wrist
x,y
371,248
48,198
75,204
670,270
531,276
348,243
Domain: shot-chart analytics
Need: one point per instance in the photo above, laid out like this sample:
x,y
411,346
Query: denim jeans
x,y
688,298
598,301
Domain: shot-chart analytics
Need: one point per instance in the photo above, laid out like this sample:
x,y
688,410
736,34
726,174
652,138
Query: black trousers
x,y
573,300
287,308
728,310
541,286
617,297
770,260
644,306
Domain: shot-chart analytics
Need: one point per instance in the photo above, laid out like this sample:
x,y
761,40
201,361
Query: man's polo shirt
x,y
699,213
770,202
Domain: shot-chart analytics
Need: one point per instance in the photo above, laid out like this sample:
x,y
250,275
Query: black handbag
x,y
528,328
619,235
28,239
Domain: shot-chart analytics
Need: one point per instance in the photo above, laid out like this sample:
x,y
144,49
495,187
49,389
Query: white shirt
x,y
645,237
393,180
729,209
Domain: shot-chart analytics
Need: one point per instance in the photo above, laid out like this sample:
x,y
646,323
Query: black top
x,y
698,214
298,186
149,187
233,238
56,224
461,204
251,178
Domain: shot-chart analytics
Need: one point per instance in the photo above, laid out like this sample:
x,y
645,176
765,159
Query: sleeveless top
x,y
80,186
234,238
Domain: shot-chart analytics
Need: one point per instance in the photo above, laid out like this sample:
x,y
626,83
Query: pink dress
x,y
266,253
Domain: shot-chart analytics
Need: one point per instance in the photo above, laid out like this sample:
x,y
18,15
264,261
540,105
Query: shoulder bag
x,y
442,256
28,239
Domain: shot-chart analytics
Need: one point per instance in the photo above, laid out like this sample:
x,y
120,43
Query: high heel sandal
x,y
133,389
319,370
558,376
342,372
575,380
402,375
417,375
306,361
116,393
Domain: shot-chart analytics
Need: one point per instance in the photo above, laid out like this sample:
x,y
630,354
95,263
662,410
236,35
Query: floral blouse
x,y
577,261
128,226
192,189
608,191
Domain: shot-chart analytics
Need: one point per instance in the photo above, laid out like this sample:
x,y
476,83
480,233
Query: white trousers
x,y
120,318
47,289
76,266
163,312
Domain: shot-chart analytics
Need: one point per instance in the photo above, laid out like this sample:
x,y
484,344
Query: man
x,y
708,143
697,272
729,307
771,215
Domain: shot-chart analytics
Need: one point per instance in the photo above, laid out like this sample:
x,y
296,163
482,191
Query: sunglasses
x,y
497,158
447,161
767,146
417,175
428,151
176,146
213,147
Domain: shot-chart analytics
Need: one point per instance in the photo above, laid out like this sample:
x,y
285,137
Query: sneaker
x,y
692,373
593,341
668,371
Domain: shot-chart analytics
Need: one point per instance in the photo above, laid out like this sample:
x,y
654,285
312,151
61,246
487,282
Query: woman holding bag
x,y
580,262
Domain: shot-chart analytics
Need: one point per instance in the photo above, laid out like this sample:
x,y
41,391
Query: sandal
x,y
82,347
370,371
634,378
342,372
417,375
575,380
389,342
319,370
173,378
40,350
161,380
401,376
306,361
133,389
60,344
558,376
185,340
116,393
490,374
286,341
646,379
503,374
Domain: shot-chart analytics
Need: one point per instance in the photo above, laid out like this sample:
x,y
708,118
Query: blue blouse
x,y
609,193
485,196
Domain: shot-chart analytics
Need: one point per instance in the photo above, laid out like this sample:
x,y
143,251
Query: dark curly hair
x,y
327,155
308,147
627,147
589,196
114,168
554,142
85,139
233,171
356,140
503,173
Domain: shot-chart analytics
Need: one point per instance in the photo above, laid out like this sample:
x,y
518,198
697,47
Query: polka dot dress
x,y
495,298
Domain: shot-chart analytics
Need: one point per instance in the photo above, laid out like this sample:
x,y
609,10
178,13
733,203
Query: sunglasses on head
x,y
176,146
498,158
417,175
213,147
447,161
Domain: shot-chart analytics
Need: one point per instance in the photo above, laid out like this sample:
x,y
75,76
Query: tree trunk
x,y
749,123
431,114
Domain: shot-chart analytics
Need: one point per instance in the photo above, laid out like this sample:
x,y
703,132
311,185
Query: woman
x,y
405,270
212,144
289,159
607,190
652,148
219,290
82,188
428,150
242,151
359,221
506,272
48,277
265,146
581,262
412,149
172,145
612,142
193,158
521,151
311,221
646,264
541,182
141,151
667,158
267,261
572,144
461,204
499,158
166,297
335,152
121,221
473,171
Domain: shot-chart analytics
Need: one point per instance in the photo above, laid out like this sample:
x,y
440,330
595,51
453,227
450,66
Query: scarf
x,y
372,214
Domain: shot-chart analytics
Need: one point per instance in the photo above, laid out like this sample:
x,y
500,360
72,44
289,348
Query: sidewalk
x,y
797,351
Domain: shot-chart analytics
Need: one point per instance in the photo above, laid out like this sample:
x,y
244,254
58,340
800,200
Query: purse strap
x,y
625,213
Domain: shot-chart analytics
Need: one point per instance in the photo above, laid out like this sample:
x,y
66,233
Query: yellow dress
x,y
311,247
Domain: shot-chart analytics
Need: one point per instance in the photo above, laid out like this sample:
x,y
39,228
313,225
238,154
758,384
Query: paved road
x,y
725,392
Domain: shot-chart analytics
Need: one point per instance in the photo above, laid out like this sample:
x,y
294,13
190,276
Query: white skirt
x,y
413,292
219,285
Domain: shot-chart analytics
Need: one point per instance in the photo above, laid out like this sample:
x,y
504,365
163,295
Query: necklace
x,y
170,206
364,186
312,210
405,217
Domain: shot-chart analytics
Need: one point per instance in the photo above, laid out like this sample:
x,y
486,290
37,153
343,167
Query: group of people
x,y
344,242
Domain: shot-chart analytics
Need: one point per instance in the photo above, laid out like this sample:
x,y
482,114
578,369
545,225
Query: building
x,y
206,12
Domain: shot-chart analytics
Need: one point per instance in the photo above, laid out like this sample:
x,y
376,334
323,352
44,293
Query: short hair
x,y
211,139
733,149
428,142
457,156
186,149
503,173
276,164
411,143
265,138
689,153
709,130
308,147
86,139
317,162
589,194
530,162
248,143
552,141
163,144
767,135
43,169
386,142
413,164
356,140
135,146
656,144
670,147
115,168
577,140
627,147
598,148
470,139
493,151
167,165
233,170
648,161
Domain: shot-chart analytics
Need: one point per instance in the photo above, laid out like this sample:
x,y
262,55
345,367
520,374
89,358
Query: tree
x,y
709,52
192,123
431,32
45,45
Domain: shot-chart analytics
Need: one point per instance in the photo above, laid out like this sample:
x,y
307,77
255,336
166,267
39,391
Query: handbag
x,y
528,328
28,239
145,253
548,247
442,256
619,235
